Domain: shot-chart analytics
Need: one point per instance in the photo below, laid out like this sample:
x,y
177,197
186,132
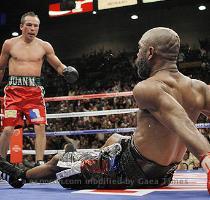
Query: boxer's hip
x,y
22,91
147,173
27,81
23,87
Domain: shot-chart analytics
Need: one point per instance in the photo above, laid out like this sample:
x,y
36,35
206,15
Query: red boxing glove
x,y
205,163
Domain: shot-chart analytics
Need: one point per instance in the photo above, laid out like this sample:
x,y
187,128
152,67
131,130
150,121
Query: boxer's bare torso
x,y
153,138
26,59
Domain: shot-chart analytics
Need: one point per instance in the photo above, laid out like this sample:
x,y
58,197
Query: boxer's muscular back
x,y
26,59
154,140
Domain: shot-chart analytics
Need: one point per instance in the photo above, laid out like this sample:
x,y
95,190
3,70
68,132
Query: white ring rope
x,y
89,113
92,113
49,152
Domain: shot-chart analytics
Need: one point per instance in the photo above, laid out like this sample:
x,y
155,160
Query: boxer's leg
x,y
46,171
17,177
5,140
40,142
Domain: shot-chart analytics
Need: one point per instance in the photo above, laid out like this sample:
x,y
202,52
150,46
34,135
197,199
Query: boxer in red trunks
x,y
24,56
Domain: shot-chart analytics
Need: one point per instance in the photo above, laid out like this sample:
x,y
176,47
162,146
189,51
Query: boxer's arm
x,y
171,114
53,60
206,109
69,73
4,58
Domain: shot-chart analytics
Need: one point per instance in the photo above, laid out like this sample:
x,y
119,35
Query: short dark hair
x,y
32,14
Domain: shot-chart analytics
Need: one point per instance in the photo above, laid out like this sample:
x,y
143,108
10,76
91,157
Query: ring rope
x,y
49,152
87,96
90,96
85,132
103,131
92,113
89,113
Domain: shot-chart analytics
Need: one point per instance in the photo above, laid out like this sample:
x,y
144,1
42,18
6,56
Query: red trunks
x,y
20,101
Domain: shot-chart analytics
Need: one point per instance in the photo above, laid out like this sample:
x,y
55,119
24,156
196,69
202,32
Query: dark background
x,y
73,36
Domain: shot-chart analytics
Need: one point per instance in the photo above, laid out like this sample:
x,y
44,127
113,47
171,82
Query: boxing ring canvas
x,y
188,185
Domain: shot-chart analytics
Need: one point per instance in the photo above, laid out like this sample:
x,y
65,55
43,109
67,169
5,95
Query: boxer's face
x,y
142,64
30,27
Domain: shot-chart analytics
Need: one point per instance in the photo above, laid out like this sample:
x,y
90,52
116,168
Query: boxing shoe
x,y
13,175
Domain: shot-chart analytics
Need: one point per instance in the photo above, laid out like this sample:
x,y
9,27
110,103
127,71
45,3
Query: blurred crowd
x,y
103,72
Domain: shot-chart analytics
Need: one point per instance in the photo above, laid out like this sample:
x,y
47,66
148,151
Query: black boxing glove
x,y
13,175
70,74
17,181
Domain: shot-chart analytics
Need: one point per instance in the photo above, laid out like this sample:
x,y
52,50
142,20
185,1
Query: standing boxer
x,y
24,56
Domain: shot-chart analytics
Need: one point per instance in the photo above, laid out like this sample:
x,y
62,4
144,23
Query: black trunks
x,y
143,172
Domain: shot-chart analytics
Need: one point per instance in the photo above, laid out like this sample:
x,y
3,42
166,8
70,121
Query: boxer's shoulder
x,y
147,88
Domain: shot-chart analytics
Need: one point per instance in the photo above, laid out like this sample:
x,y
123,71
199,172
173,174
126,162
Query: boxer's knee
x,y
115,138
8,131
54,160
52,164
39,129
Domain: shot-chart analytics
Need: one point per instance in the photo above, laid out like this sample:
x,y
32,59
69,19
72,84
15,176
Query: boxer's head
x,y
29,25
157,43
